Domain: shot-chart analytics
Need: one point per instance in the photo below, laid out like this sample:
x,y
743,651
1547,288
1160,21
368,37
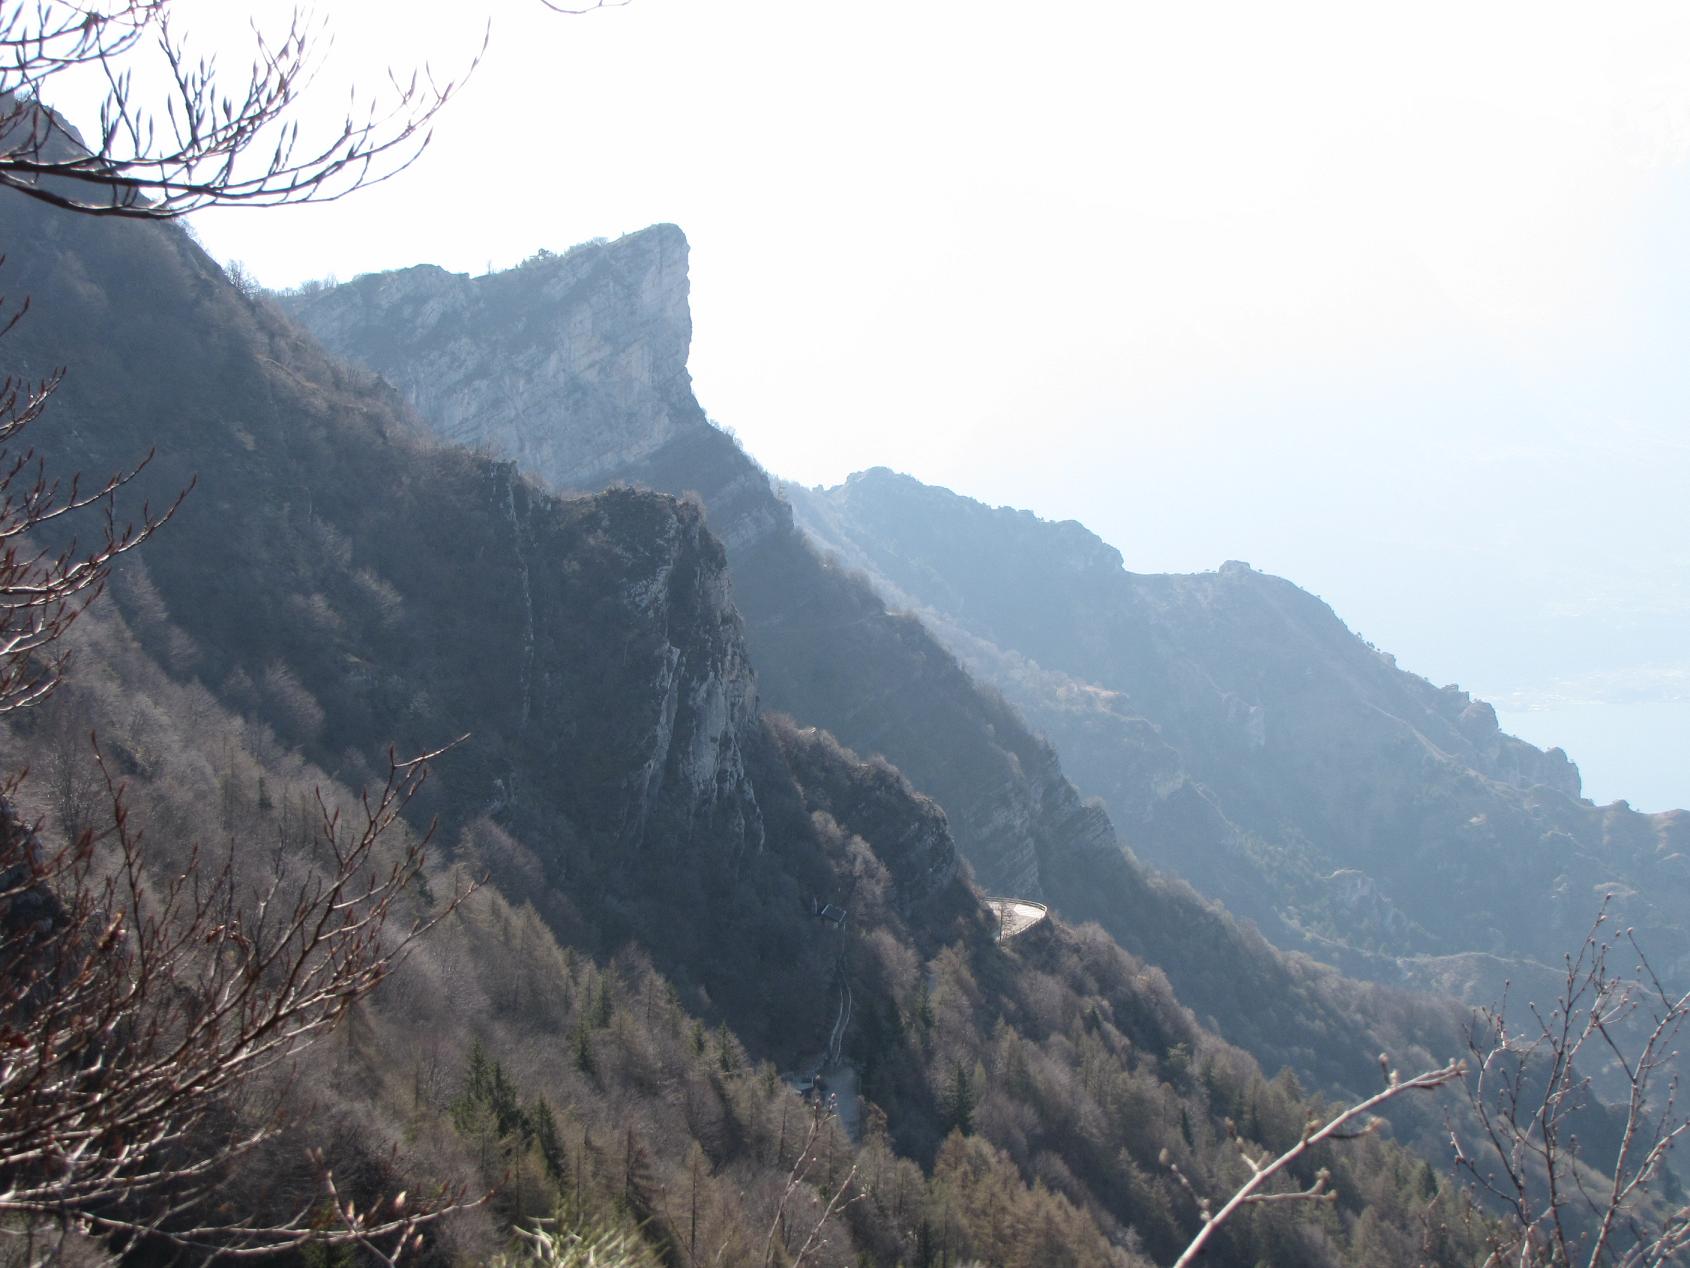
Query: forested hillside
x,y
599,1031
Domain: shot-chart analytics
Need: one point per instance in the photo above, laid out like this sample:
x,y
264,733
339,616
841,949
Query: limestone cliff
x,y
574,367
681,701
590,375
340,585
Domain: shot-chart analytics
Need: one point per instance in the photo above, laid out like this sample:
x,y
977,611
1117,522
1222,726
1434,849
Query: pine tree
x,y
478,1076
960,1099
583,1044
725,1055
542,1124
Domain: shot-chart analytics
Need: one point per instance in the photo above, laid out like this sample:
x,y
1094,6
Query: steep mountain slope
x,y
353,588
1244,738
655,841
576,366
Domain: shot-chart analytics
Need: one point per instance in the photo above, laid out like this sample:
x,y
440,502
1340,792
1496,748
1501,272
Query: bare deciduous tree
x,y
1348,1124
132,1011
1530,1086
210,139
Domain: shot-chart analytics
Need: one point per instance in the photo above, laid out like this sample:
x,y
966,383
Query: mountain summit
x,y
574,400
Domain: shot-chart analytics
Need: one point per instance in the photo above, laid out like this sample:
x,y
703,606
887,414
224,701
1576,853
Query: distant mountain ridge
x,y
1242,737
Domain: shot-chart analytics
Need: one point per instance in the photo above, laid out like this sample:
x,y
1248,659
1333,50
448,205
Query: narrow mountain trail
x,y
837,1078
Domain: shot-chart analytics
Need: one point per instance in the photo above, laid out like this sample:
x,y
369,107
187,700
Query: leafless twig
x,y
132,1015
208,138
820,1116
1530,1087
1262,1168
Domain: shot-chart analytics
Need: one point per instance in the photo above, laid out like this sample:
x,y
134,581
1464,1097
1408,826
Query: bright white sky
x,y
1390,300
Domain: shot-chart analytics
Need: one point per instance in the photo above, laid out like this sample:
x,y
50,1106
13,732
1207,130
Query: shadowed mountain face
x,y
345,584
574,366
577,369
1242,737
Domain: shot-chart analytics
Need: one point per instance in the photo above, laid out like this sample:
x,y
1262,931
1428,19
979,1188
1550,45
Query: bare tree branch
x,y
821,1113
1263,1168
209,138
1528,1091
130,1016
43,591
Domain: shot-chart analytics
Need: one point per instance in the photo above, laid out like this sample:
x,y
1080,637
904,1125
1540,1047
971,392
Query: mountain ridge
x,y
828,650
1248,741
647,948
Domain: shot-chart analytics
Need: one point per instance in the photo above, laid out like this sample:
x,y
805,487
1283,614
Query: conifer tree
x,y
960,1099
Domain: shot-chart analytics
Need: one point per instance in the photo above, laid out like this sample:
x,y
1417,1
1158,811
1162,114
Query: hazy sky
x,y
1390,300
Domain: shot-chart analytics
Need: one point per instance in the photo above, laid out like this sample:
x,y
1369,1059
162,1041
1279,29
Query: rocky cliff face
x,y
574,367
827,649
1244,738
682,701
590,376
342,586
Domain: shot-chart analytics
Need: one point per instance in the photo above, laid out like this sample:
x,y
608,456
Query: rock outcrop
x,y
590,376
574,367
872,800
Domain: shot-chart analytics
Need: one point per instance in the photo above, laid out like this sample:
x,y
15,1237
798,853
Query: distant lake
x,y
1638,751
